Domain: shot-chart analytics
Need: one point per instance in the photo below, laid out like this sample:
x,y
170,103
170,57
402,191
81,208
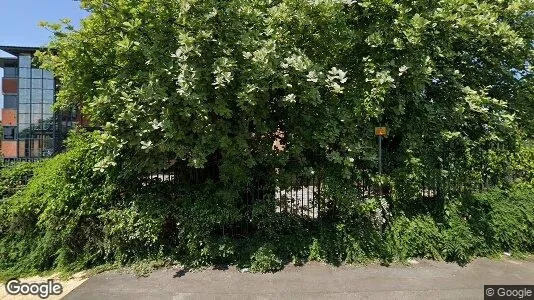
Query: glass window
x,y
48,84
25,61
24,118
37,73
39,126
48,124
23,127
37,108
22,147
47,109
10,101
37,95
37,83
24,73
48,74
37,118
24,131
24,95
48,96
36,149
48,117
11,72
48,150
24,108
9,133
24,83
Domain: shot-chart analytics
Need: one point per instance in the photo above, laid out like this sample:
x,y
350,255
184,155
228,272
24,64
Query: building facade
x,y
31,130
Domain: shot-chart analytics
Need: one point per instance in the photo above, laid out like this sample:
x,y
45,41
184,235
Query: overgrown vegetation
x,y
72,217
204,88
14,177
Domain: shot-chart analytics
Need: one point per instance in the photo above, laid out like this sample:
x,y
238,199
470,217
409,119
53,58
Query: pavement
x,y
422,279
67,285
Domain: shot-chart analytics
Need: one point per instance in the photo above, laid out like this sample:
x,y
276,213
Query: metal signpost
x,y
380,132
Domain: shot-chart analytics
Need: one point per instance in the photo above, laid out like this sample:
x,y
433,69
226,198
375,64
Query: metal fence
x,y
303,199
309,196
303,196
10,161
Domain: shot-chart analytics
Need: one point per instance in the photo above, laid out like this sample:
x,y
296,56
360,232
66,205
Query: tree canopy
x,y
196,81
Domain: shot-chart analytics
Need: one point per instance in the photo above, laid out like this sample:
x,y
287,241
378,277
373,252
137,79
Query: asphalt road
x,y
421,280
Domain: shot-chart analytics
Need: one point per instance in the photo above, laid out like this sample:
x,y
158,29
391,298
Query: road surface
x,y
421,279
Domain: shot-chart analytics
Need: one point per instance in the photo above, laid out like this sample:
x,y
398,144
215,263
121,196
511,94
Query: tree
x,y
205,87
213,82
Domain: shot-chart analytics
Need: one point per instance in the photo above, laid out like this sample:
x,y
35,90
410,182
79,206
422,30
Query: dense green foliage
x,y
13,178
205,87
201,82
72,217
50,222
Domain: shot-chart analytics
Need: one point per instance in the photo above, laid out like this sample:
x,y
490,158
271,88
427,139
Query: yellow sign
x,y
381,131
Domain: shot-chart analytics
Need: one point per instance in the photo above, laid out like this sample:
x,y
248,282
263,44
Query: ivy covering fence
x,y
203,113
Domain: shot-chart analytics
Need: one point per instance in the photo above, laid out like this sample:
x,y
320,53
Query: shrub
x,y
524,162
459,243
131,234
490,222
265,260
504,218
416,237
15,177
71,216
53,222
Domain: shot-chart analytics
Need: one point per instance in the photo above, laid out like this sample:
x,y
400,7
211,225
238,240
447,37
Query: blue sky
x,y
20,18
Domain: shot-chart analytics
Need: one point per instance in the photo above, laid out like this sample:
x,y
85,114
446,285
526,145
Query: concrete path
x,y
420,280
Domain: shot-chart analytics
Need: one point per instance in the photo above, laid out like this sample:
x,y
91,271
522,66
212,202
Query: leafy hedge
x,y
71,216
52,222
14,177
